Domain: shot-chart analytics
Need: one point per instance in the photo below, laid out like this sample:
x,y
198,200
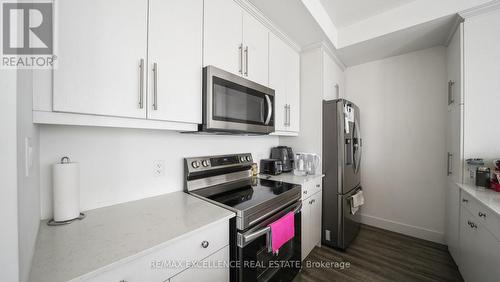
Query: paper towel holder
x,y
52,222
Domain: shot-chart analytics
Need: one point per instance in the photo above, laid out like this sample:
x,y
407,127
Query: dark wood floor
x,y
381,255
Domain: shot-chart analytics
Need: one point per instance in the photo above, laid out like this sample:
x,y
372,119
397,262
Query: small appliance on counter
x,y
285,154
306,164
271,166
472,165
483,177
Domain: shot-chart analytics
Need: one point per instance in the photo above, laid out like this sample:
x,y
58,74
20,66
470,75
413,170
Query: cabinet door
x,y
468,247
277,80
175,60
256,50
480,250
454,141
316,219
306,227
284,78
213,272
99,55
223,35
453,220
293,90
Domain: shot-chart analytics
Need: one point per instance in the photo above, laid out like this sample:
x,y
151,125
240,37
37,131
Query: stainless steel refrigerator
x,y
342,146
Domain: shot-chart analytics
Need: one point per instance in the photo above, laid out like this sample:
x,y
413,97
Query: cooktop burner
x,y
251,192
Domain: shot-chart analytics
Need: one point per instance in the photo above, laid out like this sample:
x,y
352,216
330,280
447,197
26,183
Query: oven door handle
x,y
246,238
270,110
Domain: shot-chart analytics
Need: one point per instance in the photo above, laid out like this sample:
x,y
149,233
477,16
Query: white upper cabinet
x,y
255,50
99,51
175,60
223,46
235,41
284,78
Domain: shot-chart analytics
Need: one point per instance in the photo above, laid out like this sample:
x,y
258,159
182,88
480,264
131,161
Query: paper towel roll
x,y
66,185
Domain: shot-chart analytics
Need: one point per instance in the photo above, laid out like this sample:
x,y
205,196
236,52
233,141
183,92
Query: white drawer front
x,y
490,220
174,258
212,269
311,187
318,185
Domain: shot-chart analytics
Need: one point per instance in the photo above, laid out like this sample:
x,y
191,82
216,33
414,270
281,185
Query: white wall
x,y
28,185
403,122
116,165
9,263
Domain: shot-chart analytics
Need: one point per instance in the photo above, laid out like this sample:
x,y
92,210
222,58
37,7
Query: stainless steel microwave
x,y
235,105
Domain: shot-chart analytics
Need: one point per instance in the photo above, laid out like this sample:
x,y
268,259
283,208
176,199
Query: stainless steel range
x,y
227,182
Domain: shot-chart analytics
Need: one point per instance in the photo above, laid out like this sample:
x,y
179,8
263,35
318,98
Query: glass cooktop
x,y
248,193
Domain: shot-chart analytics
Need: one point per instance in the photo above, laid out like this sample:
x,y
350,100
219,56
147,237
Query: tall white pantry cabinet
x,y
472,237
141,67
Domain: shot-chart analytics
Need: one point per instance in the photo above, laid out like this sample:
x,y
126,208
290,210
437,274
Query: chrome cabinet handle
x,y
289,115
317,185
240,48
285,112
270,111
481,214
451,99
205,244
449,163
246,61
141,84
155,86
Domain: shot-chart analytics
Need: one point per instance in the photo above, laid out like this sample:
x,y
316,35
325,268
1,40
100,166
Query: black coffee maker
x,y
285,154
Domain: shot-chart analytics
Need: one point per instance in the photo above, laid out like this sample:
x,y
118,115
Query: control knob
x,y
195,164
205,163
248,158
242,159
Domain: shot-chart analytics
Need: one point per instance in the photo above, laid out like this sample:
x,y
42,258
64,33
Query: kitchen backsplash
x,y
117,165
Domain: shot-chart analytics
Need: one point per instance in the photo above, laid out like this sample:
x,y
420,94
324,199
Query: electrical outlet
x,y
159,168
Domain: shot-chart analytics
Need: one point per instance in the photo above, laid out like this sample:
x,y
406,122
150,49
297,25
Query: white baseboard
x,y
406,229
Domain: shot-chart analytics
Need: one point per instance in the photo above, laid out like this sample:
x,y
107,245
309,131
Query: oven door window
x,y
260,265
236,103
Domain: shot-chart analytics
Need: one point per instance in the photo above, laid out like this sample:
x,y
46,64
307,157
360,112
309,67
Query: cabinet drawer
x,y
482,214
211,269
311,187
318,184
169,261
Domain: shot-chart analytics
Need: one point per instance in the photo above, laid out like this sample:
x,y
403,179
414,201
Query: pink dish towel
x,y
282,230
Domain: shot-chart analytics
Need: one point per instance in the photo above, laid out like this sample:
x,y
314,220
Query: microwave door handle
x,y
270,110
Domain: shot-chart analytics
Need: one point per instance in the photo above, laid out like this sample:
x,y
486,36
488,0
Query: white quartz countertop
x,y
289,177
487,197
112,235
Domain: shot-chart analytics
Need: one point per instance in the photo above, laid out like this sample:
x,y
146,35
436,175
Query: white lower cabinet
x,y
208,246
480,249
453,220
211,269
311,216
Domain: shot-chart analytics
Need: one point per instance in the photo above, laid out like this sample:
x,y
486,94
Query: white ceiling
x,y
294,19
347,12
427,35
